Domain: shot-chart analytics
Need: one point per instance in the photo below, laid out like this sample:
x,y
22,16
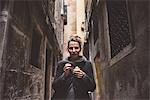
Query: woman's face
x,y
74,49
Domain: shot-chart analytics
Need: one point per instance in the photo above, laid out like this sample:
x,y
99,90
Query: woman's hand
x,y
67,69
78,72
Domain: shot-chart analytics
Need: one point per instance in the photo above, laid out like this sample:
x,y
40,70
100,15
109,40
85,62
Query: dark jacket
x,y
81,86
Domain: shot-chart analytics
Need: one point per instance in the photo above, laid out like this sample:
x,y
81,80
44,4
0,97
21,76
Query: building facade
x,y
70,26
30,46
118,45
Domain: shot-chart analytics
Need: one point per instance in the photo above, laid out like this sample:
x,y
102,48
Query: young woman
x,y
74,77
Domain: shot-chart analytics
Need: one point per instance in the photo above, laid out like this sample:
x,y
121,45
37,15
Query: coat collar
x,y
82,58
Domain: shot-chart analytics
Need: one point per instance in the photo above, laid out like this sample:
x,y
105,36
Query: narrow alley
x,y
115,37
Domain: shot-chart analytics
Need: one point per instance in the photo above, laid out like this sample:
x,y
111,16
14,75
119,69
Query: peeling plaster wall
x,y
20,80
128,79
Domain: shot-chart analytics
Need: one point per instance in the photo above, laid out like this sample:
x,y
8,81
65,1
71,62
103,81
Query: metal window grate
x,y
118,26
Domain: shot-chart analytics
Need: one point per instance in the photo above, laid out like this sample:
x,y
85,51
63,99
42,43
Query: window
x,y
65,14
86,49
118,22
35,48
4,5
95,28
53,66
47,73
21,12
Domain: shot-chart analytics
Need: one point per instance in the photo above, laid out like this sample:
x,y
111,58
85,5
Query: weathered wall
x,y
3,26
128,78
20,79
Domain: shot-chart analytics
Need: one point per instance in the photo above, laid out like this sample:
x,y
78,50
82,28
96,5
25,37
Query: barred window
x,y
119,32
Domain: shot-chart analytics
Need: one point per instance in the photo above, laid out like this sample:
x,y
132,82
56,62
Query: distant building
x,y
75,21
30,46
70,26
118,46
